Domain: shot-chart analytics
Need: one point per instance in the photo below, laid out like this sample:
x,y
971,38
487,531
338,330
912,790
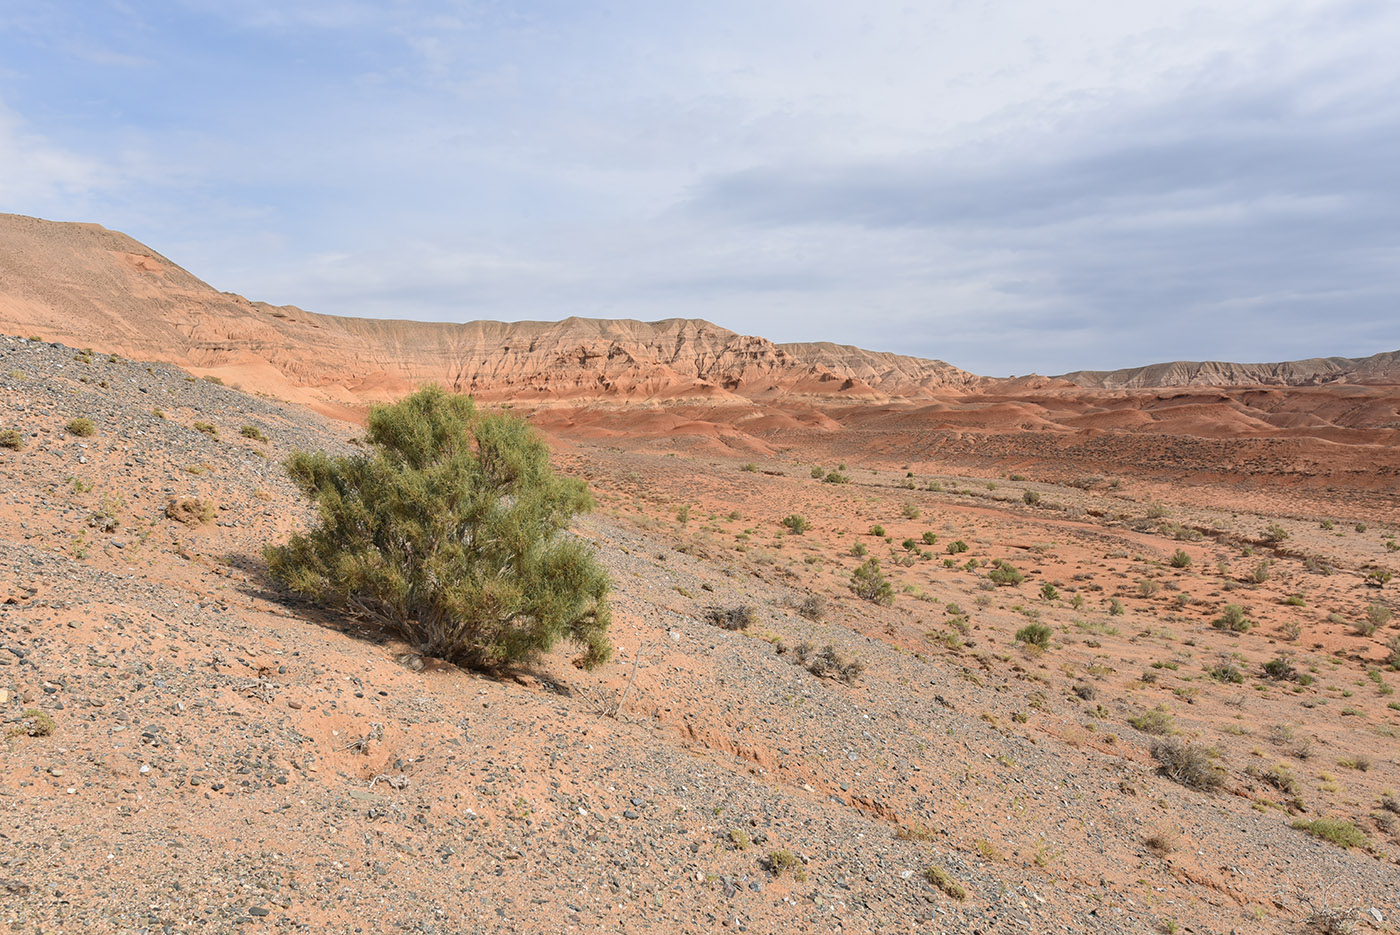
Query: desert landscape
x,y
898,647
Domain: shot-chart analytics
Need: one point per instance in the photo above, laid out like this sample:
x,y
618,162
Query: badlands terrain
x,y
188,749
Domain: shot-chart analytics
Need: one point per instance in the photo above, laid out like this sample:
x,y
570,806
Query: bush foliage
x,y
449,530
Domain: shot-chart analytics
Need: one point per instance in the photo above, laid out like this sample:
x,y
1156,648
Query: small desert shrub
x,y
1275,533
796,524
1034,634
911,511
1180,559
929,537
1281,668
814,607
835,477
955,547
208,428
1115,607
750,468
1049,591
869,583
1227,672
451,530
1004,574
877,530
780,862
1147,587
33,723
859,550
11,439
217,381
910,545
81,426
817,472
939,878
1158,721
1232,618
827,662
1188,764
1162,839
1377,615
1338,831
1086,691
253,432
740,617
1260,574
1360,527
191,511
1392,659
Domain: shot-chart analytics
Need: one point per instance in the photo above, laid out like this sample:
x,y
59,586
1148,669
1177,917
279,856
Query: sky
x,y
1009,186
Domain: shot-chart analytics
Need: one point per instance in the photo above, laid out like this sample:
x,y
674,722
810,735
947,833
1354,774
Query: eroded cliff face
x,y
83,284
1381,368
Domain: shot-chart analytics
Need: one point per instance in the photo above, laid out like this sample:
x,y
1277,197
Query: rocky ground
x,y
185,749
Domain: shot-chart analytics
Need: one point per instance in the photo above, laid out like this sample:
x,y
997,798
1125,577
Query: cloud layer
x,y
1011,186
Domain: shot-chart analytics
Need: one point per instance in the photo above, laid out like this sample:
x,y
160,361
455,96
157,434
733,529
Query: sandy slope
x,y
224,759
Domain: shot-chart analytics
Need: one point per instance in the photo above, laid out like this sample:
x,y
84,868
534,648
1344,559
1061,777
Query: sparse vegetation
x,y
868,583
955,547
253,432
1004,574
1157,721
81,427
781,862
940,879
796,524
1180,559
191,511
814,607
1338,831
33,722
1189,764
827,662
1232,618
208,428
11,439
451,531
1034,634
740,617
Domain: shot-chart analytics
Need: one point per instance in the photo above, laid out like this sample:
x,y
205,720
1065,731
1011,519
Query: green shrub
x,y
11,439
1281,669
818,473
1049,591
1031,498
81,426
750,468
869,583
208,428
1378,615
1115,607
796,524
253,432
1339,831
1004,574
1232,618
859,550
955,547
877,530
836,477
1180,559
911,511
1158,721
929,537
1275,533
450,530
1034,634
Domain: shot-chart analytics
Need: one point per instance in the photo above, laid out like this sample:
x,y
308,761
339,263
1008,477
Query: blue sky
x,y
1009,186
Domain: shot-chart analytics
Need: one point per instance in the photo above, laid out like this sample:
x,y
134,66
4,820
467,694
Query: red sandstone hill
x,y
83,284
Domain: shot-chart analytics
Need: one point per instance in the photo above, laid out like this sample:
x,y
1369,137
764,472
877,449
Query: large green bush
x,y
449,530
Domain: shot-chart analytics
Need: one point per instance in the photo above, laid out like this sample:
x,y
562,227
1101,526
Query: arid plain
x,y
1057,723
